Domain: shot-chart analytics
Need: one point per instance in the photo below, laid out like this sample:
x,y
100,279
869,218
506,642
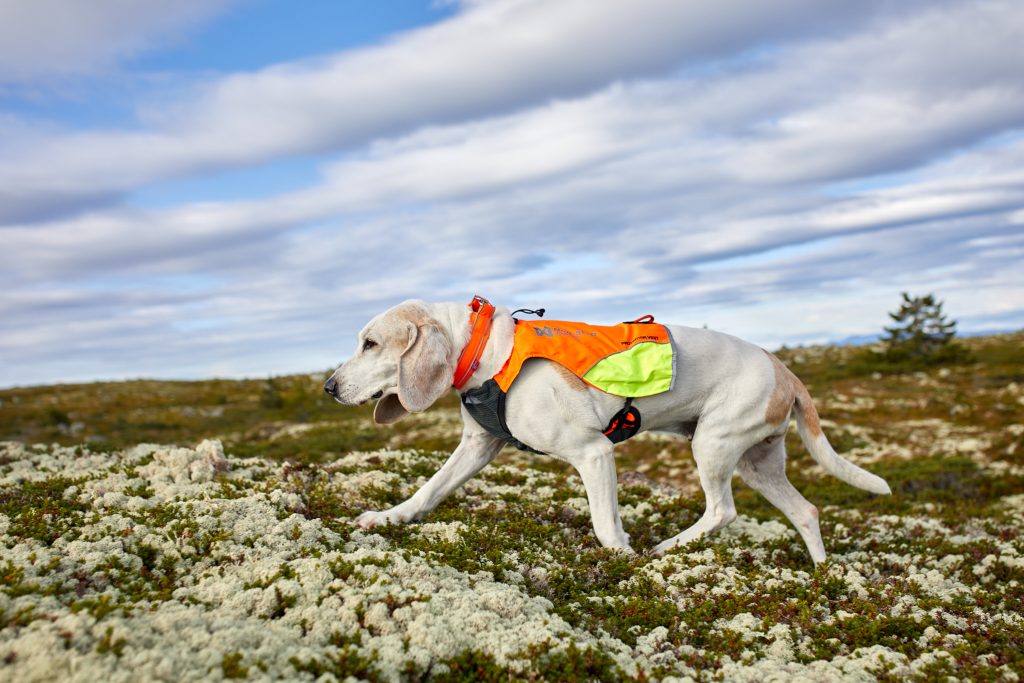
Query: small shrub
x,y
921,335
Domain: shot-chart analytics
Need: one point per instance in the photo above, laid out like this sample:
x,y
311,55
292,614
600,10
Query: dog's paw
x,y
374,518
371,518
663,547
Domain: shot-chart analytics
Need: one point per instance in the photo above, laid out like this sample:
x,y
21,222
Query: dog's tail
x,y
821,450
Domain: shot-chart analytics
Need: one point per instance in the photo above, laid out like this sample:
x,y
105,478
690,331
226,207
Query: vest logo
x,y
548,331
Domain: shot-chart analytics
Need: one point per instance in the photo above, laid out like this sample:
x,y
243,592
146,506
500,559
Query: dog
x,y
732,399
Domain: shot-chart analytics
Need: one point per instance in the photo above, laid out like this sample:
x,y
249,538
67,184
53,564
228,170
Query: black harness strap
x,y
486,404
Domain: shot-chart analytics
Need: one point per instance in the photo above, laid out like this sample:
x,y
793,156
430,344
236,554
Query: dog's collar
x,y
469,361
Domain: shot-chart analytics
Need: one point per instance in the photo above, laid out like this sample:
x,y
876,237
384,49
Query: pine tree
x,y
921,333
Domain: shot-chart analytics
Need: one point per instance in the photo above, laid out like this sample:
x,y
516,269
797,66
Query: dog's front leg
x,y
476,449
596,465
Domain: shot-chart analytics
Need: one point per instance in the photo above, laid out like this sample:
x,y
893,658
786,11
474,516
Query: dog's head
x,y
402,357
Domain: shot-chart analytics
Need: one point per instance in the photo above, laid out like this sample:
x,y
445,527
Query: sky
x,y
232,188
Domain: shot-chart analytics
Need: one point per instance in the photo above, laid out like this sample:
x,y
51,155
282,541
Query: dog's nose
x,y
330,386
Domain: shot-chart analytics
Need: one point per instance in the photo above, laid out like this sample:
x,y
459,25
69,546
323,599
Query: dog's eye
x,y
368,344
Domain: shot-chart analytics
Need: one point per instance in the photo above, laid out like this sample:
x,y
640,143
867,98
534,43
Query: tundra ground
x,y
229,551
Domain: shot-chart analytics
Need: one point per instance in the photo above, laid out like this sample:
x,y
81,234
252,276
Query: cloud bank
x,y
777,172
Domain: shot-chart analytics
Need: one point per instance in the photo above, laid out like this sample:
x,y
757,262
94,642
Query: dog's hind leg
x,y
763,468
716,457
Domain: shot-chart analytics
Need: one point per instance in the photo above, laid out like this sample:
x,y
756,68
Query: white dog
x,y
732,398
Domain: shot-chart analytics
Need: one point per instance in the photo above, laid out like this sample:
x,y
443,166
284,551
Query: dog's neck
x,y
455,318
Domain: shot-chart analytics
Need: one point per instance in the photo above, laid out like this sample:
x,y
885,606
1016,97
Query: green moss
x,y
282,603
12,579
346,661
646,607
231,666
23,616
39,509
539,662
107,643
284,572
898,633
334,510
504,476
142,491
99,607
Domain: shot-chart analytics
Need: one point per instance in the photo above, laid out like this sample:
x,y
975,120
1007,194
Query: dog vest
x,y
631,360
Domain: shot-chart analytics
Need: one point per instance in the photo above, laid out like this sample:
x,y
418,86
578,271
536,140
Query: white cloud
x,y
782,195
494,57
61,37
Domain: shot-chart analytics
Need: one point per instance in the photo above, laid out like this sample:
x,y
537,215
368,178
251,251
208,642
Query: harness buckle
x,y
477,303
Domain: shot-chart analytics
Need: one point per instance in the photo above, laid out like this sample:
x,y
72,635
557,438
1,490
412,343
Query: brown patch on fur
x,y
783,395
803,399
789,390
574,382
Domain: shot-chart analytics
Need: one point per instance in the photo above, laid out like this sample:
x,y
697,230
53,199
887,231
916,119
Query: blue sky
x,y
233,187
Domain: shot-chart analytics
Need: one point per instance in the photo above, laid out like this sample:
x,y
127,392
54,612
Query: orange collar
x,y
469,361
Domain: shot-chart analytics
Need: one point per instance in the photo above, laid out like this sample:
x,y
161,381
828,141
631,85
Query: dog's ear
x,y
389,409
424,374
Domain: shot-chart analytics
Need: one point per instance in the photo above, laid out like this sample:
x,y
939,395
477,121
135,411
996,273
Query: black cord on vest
x,y
529,311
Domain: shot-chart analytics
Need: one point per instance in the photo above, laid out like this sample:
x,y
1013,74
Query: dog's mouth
x,y
374,397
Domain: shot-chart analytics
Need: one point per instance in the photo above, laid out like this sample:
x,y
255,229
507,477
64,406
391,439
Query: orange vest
x,y
631,359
